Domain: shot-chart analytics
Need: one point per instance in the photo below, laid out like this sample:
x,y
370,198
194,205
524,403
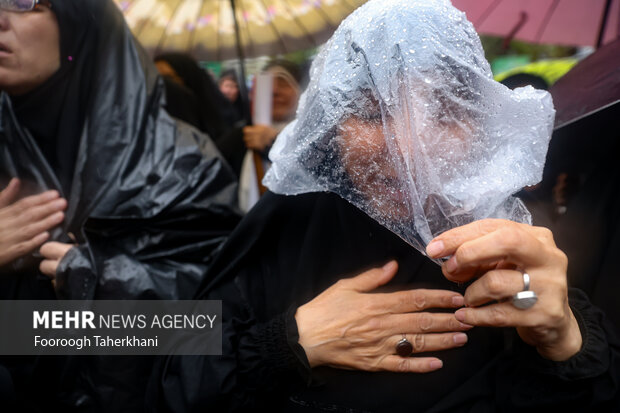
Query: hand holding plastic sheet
x,y
403,119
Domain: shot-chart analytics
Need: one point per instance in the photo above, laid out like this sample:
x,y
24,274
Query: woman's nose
x,y
4,20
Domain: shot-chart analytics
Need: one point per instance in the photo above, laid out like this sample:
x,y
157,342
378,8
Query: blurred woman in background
x,y
216,115
229,86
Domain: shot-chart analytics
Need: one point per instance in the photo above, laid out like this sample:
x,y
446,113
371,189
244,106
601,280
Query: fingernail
x,y
460,314
436,364
435,248
49,195
458,301
460,338
59,203
42,236
389,267
58,216
451,264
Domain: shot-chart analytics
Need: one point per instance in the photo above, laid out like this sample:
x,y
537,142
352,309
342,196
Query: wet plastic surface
x,y
403,119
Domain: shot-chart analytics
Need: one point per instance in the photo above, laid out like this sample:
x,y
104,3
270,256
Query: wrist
x,y
304,338
269,137
568,341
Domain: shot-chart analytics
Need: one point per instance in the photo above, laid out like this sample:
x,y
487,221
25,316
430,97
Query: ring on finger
x,y
526,298
404,348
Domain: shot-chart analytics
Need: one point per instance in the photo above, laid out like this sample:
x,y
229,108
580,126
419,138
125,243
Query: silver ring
x,y
526,281
525,299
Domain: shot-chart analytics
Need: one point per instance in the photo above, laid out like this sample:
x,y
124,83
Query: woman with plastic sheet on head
x,y
402,142
135,204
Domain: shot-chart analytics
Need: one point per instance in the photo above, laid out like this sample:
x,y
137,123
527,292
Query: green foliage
x,y
494,48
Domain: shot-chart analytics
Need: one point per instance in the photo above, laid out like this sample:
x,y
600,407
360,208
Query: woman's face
x,y
229,88
285,98
378,156
29,49
371,167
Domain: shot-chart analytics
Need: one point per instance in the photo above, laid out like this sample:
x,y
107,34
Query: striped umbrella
x,y
206,28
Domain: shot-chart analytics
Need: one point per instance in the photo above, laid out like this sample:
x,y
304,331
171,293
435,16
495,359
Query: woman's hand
x,y
24,224
259,137
497,253
53,252
349,327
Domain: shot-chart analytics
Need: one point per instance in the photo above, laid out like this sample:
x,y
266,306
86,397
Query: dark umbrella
x,y
568,22
591,86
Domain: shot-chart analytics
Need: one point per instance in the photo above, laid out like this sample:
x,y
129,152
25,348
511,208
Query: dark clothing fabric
x,y
7,393
158,188
240,105
150,202
232,148
45,111
41,112
240,111
217,114
181,103
579,200
289,249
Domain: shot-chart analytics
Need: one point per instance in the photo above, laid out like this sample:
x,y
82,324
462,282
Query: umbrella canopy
x,y
592,85
566,22
206,28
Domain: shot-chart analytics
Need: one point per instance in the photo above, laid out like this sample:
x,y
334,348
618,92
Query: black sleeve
x,y
520,380
7,392
588,381
259,361
232,148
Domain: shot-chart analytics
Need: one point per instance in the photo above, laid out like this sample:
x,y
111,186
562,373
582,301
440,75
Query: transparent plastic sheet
x,y
403,119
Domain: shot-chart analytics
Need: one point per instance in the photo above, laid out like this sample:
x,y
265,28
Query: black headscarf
x,y
238,104
181,103
55,111
217,113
